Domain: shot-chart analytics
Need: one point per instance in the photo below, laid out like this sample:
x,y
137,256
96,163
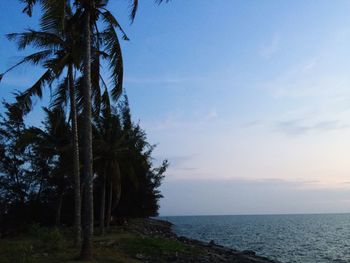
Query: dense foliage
x,y
46,169
36,181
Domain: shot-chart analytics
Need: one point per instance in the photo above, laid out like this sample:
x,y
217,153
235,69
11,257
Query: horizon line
x,y
266,214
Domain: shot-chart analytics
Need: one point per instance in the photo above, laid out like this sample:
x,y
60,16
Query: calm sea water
x,y
286,238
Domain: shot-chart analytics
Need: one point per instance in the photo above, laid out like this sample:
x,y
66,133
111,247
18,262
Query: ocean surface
x,y
286,238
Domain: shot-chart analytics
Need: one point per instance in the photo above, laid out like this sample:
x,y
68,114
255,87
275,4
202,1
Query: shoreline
x,y
207,251
138,240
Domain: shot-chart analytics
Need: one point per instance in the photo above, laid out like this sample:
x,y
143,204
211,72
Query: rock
x,y
182,239
249,252
212,243
172,258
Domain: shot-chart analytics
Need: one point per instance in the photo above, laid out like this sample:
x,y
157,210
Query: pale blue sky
x,y
240,93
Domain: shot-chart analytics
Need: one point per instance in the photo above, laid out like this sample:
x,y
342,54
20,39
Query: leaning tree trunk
x,y
103,204
76,162
86,250
109,209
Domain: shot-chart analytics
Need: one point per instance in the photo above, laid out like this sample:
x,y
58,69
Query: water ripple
x,y
287,238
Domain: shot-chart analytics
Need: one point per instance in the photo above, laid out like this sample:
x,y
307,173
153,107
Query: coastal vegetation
x,y
139,240
88,163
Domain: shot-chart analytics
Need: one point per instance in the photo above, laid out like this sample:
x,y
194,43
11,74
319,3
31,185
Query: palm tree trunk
x,y
109,210
59,209
118,188
103,204
86,250
76,162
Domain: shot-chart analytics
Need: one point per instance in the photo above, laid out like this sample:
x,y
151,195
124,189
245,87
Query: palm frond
x,y
95,83
38,57
115,60
79,87
134,6
112,21
60,97
31,135
105,104
24,99
57,63
53,17
34,58
37,39
101,3
28,9
161,1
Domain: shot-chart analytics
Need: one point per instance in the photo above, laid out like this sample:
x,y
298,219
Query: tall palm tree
x,y
91,11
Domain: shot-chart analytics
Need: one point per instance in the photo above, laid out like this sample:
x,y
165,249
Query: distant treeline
x,y
37,182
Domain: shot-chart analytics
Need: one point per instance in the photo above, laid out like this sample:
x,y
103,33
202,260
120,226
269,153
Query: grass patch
x,y
32,250
151,245
52,245
16,251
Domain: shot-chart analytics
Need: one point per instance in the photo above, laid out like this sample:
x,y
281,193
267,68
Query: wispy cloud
x,y
313,94
212,114
270,48
182,120
318,76
254,124
297,127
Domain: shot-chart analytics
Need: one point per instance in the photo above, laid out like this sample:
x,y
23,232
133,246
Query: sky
x,y
248,100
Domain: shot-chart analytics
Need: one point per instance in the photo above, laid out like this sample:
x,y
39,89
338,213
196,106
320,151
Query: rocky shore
x,y
197,251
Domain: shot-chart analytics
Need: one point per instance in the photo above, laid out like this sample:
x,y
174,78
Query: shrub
x,y
52,239
48,239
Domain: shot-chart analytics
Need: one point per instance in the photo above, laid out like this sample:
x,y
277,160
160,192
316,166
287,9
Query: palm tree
x,y
109,148
61,43
91,11
60,51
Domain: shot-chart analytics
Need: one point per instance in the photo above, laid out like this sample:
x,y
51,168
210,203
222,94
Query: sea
x,y
286,238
